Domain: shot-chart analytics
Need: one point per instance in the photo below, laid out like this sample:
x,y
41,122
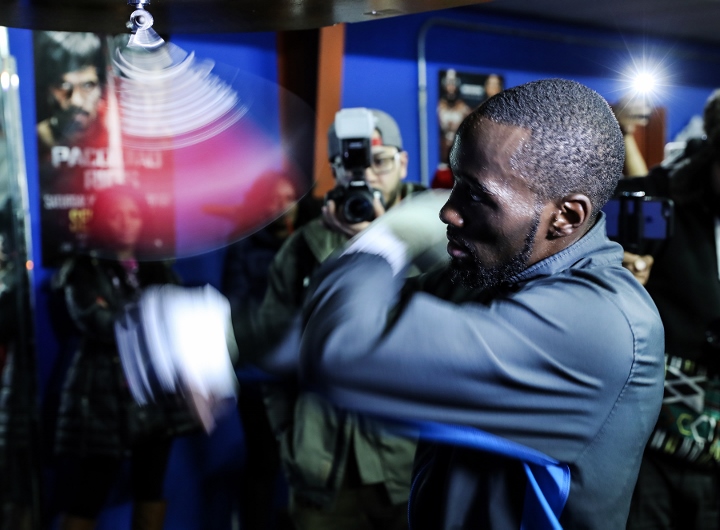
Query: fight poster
x,y
459,94
81,151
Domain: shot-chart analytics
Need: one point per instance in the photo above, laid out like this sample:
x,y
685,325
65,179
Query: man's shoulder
x,y
602,294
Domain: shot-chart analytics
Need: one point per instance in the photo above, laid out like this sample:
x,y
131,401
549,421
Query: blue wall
x,y
380,70
380,67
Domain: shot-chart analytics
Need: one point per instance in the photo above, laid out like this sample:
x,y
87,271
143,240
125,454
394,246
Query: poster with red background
x,y
81,151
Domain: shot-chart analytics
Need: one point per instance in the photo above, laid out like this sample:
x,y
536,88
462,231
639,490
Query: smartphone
x,y
633,218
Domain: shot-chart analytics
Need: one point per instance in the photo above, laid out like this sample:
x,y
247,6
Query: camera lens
x,y
358,208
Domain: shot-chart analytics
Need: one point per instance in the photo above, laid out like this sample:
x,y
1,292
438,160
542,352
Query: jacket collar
x,y
594,245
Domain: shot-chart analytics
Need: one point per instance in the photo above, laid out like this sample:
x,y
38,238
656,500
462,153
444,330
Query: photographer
x,y
342,470
678,482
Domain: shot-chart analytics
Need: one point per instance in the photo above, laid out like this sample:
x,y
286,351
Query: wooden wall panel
x,y
329,94
310,66
651,137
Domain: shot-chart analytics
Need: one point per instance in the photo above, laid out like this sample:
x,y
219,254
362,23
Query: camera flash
x,y
644,83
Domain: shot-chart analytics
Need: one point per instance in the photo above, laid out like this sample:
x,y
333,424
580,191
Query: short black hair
x,y
575,145
63,52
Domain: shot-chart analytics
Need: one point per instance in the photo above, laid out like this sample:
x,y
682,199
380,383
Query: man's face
x,y
493,217
78,95
389,167
451,90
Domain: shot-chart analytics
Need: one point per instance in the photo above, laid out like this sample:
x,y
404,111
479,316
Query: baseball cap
x,y
384,123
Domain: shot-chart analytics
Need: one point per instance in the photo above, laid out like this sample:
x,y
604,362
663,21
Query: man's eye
x,y
383,163
476,195
465,188
64,87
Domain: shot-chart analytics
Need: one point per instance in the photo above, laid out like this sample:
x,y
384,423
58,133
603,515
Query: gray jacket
x,y
568,360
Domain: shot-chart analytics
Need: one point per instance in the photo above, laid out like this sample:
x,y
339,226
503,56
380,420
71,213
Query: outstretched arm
x,y
536,377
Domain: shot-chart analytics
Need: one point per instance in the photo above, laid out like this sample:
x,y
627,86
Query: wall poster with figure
x,y
459,93
80,145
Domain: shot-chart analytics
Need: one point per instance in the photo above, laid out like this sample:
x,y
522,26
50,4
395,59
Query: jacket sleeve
x,y
537,366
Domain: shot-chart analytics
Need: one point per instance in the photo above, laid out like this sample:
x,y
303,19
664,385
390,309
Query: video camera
x,y
353,196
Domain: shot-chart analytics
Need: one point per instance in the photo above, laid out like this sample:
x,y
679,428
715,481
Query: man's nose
x,y
450,216
76,98
370,176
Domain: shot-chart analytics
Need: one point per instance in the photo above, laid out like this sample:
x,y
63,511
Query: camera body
x,y
354,200
634,218
353,197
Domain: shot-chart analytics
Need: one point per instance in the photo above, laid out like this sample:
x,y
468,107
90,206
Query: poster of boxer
x,y
80,147
460,93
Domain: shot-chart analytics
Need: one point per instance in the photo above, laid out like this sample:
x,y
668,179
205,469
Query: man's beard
x,y
70,123
472,274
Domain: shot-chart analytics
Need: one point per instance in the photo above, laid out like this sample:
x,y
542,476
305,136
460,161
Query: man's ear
x,y
403,161
572,213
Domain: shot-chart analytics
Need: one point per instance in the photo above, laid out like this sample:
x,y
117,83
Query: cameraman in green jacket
x,y
343,470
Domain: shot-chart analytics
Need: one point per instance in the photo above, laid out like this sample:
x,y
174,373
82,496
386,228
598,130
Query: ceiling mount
x,y
208,16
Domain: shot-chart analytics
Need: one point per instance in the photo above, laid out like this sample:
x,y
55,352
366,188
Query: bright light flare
x,y
644,79
644,83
